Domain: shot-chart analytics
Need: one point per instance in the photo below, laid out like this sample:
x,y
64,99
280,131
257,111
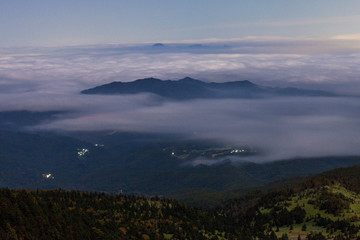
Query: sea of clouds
x,y
44,79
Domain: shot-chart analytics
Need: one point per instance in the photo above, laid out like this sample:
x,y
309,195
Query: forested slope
x,y
326,206
58,214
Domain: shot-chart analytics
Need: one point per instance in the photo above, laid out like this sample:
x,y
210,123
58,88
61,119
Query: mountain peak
x,y
187,79
248,83
190,80
148,80
158,45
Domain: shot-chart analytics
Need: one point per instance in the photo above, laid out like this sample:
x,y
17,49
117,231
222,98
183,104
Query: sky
x,y
51,50
60,23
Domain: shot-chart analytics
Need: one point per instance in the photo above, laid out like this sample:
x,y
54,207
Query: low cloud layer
x,y
282,128
290,62
50,79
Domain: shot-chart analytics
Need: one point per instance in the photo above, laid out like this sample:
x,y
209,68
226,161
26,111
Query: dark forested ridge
x,y
60,214
326,206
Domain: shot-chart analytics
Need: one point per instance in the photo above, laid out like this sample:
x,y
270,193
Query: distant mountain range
x,y
189,88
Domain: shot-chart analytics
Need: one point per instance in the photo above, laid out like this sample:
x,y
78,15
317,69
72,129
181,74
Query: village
x,y
213,153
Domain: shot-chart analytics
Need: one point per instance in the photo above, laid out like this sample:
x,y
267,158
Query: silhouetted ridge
x,y
189,88
158,45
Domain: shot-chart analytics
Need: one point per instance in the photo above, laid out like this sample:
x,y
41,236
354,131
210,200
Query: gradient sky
x,y
65,22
